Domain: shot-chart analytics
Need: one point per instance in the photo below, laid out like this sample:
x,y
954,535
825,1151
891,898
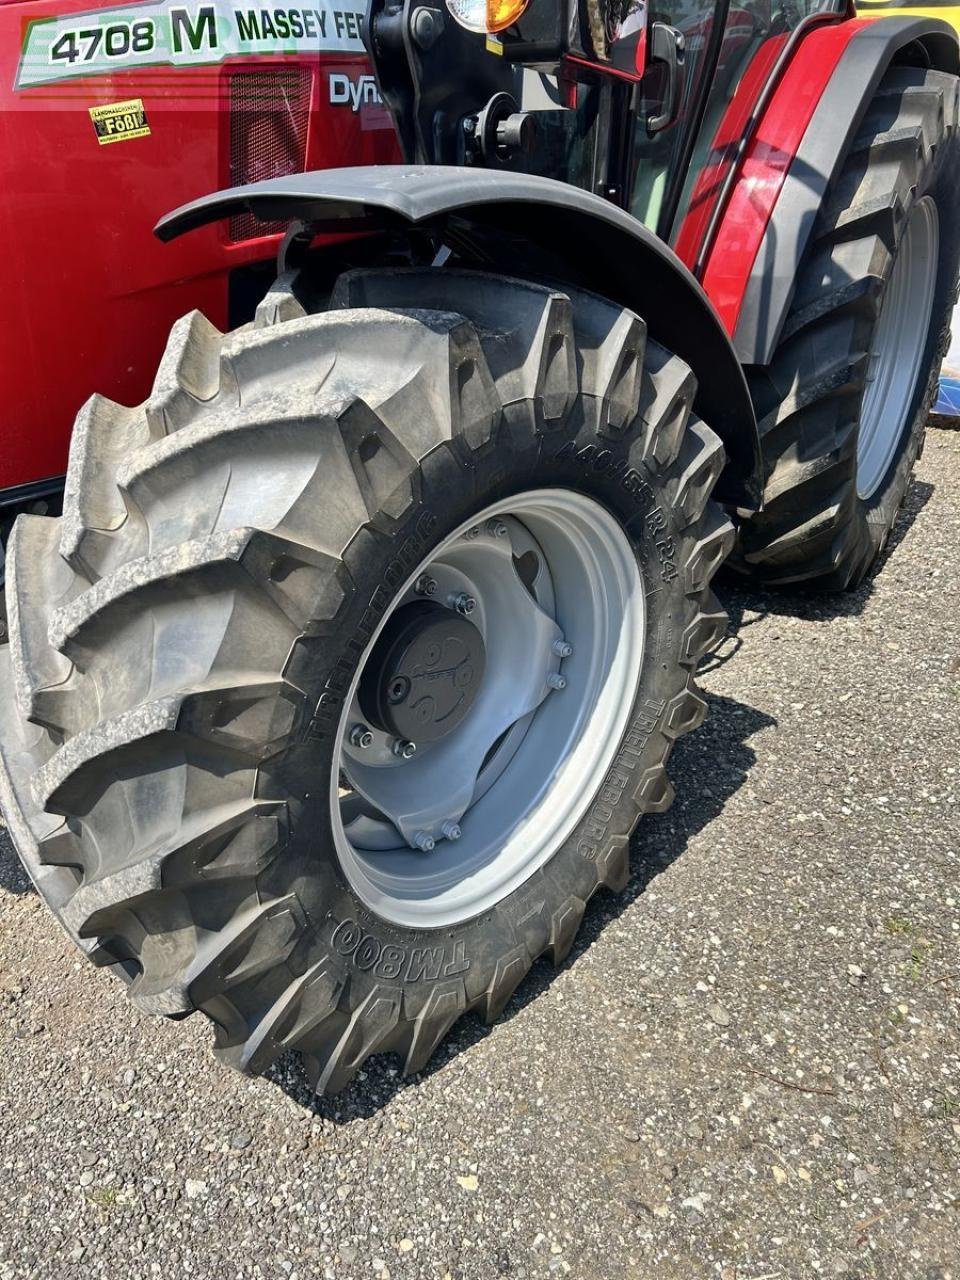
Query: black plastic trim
x,y
819,157
597,245
23,495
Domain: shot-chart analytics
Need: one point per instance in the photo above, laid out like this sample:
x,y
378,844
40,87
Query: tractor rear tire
x,y
843,405
184,640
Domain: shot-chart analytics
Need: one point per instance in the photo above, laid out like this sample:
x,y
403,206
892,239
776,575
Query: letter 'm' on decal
x,y
247,28
200,29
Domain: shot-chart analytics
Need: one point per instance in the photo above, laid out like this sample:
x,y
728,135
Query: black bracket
x,y
432,74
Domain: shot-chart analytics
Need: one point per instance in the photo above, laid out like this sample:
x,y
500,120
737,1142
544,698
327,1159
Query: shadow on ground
x,y
718,753
747,605
13,877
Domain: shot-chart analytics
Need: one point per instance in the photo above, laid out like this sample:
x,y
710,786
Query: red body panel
x,y
731,129
765,166
89,294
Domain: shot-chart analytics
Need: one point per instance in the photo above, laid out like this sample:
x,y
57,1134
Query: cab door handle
x,y
668,46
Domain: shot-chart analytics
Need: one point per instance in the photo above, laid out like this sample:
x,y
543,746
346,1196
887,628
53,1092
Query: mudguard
x,y
849,87
590,242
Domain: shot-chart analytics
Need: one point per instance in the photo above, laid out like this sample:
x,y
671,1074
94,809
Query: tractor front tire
x,y
843,405
186,642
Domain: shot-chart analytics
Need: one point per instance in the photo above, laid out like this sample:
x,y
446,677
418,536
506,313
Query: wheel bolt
x,y
556,681
424,842
450,831
472,533
496,528
360,736
403,748
562,648
425,585
463,604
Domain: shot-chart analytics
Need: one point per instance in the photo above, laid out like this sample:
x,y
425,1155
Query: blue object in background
x,y
948,401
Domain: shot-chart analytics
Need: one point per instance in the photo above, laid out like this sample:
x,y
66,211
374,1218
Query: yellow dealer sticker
x,y
120,121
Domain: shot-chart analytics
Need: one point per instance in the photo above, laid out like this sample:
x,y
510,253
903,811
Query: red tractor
x,y
361,646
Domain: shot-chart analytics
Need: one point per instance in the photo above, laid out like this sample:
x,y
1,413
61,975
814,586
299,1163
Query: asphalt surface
x,y
748,1069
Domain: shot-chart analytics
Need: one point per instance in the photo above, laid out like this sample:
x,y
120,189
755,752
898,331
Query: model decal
x,y
182,35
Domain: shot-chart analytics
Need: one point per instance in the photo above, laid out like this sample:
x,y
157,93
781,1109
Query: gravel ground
x,y
749,1067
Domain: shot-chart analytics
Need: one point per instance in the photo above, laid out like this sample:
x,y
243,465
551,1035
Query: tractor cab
x,y
647,105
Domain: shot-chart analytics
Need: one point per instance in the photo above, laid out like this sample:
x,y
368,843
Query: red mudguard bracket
x,y
766,164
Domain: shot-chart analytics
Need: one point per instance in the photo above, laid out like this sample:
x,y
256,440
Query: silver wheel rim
x,y
899,341
559,602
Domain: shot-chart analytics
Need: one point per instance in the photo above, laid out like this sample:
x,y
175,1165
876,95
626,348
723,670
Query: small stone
x,y
348,1253
469,1182
88,1159
195,1188
240,1141
779,1174
695,1132
804,1174
405,1245
86,1178
696,1202
129,1076
719,1014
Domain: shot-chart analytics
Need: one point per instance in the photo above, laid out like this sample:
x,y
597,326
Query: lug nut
x,y
403,748
424,842
425,585
562,648
463,604
451,831
360,736
555,681
496,528
472,533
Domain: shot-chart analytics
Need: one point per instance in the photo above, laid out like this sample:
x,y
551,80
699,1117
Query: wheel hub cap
x,y
424,673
